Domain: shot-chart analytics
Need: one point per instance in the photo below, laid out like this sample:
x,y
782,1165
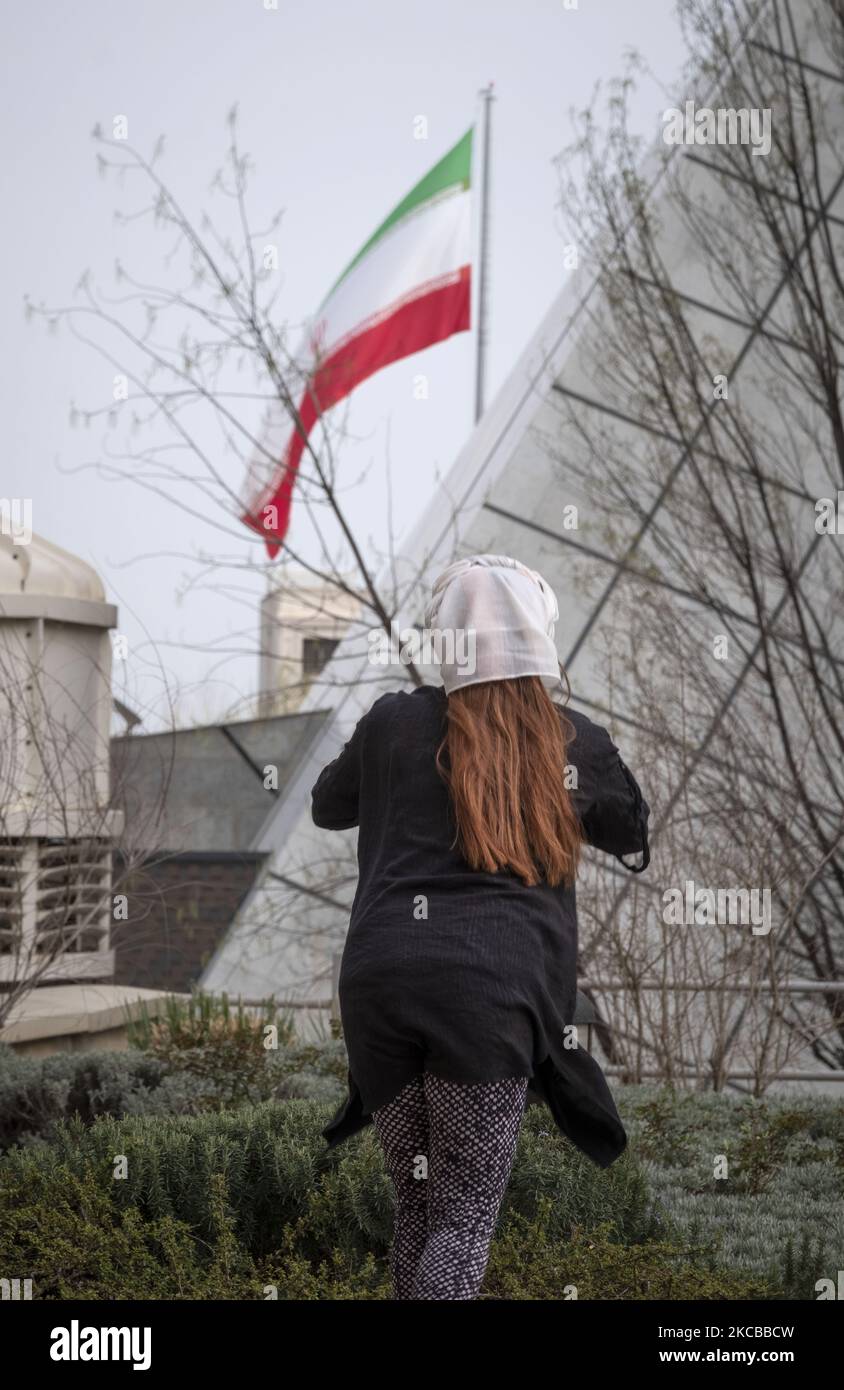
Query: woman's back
x,y
458,979
469,971
387,782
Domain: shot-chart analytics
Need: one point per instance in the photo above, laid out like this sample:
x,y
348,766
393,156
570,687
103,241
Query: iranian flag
x,y
409,286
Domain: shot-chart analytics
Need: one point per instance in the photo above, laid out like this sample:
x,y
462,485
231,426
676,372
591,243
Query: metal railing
x,y
586,1015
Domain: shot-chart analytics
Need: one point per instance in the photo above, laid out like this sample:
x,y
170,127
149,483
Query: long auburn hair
x,y
503,760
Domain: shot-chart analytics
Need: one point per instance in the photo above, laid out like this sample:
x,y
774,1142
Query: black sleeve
x,y
334,795
608,799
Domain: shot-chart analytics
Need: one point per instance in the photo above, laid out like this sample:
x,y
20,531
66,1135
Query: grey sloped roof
x,y
203,789
505,494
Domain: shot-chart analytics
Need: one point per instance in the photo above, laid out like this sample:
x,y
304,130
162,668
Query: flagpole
x,y
483,253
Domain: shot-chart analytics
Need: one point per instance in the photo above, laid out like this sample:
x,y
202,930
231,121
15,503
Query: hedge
x,y
38,1092
777,1217
252,1205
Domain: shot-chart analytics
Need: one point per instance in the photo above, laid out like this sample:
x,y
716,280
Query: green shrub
x,y
37,1092
190,1022
290,1275
73,1241
271,1157
277,1167
667,1129
226,1046
779,1214
310,1071
319,1221
763,1145
68,1234
218,1043
527,1261
804,1261
583,1195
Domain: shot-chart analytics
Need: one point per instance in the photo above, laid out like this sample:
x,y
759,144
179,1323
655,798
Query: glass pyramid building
x,y
660,452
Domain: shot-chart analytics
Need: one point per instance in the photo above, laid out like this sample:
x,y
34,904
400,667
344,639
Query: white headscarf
x,y
510,609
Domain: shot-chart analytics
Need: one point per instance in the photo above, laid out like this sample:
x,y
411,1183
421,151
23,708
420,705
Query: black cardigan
x,y
467,974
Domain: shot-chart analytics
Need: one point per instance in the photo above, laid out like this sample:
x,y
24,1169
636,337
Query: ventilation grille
x,y
11,896
71,896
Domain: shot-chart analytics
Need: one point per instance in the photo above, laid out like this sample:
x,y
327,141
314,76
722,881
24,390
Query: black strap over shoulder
x,y
640,815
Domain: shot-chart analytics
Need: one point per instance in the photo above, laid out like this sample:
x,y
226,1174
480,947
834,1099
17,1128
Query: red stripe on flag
x,y
411,328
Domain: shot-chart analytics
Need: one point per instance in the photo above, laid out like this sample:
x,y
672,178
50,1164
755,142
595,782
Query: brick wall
x,y
178,909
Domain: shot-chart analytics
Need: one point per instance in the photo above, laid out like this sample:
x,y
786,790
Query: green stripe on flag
x,y
452,171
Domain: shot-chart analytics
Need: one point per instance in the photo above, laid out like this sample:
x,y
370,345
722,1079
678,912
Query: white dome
x,y
40,567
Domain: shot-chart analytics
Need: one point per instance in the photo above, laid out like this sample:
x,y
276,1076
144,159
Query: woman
x,y
458,979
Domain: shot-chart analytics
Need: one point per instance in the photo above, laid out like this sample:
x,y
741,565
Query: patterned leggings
x,y
449,1149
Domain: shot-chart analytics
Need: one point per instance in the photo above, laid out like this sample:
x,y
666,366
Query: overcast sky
x,y
328,93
